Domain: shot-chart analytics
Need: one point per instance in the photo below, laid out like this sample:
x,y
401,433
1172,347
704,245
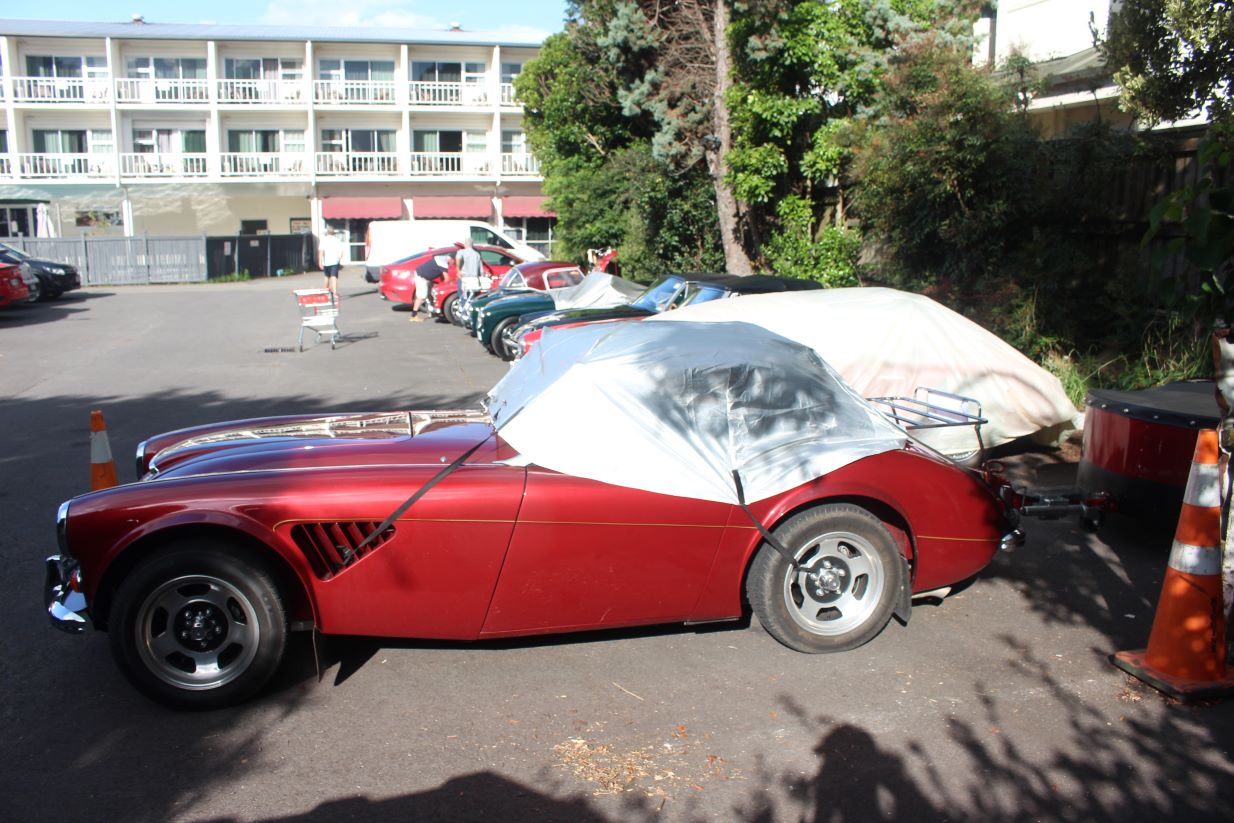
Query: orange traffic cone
x,y
1185,657
102,467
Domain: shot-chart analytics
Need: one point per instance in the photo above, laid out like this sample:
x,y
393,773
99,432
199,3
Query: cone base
x,y
1180,688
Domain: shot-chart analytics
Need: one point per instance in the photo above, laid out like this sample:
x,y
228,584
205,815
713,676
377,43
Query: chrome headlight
x,y
62,527
55,270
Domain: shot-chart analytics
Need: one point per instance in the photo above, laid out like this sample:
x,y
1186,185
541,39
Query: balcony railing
x,y
61,89
507,95
366,92
519,163
436,93
235,165
339,163
159,90
262,91
450,163
263,164
163,165
66,165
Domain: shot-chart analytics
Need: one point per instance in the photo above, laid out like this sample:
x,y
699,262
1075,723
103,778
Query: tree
x,y
1173,58
596,151
675,67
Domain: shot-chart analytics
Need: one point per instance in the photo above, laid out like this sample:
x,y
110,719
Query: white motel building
x,y
145,128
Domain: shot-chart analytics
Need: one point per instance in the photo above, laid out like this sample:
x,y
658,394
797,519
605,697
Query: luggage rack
x,y
933,409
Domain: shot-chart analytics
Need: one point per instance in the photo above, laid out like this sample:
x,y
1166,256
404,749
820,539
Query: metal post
x,y
85,261
146,245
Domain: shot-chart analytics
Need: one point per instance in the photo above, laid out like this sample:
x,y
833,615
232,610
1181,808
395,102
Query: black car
x,y
54,278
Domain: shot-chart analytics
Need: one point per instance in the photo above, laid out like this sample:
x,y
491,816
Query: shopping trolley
x,y
319,312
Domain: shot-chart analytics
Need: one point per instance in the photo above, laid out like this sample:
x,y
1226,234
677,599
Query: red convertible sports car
x,y
240,532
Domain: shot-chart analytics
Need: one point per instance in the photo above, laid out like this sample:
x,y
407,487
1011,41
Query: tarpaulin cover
x,y
886,342
597,291
675,408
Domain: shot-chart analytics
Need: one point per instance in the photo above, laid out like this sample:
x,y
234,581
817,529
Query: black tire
x,y
505,344
860,573
198,626
495,344
449,309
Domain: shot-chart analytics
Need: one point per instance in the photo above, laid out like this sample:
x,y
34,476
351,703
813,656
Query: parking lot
x,y
995,704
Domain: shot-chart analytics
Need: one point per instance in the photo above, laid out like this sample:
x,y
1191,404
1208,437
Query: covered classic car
x,y
732,475
668,292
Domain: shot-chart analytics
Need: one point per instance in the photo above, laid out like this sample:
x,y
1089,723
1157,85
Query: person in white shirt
x,y
470,266
330,255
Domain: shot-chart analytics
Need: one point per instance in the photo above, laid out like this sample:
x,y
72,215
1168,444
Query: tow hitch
x,y
1051,504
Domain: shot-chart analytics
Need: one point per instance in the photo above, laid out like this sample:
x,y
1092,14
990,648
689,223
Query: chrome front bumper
x,y
66,606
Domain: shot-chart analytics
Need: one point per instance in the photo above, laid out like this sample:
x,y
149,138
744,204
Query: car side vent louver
x,y
332,547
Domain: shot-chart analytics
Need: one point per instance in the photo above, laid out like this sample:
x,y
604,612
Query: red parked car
x,y
240,532
398,279
13,288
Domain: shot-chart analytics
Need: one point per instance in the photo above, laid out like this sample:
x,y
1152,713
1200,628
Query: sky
x,y
524,17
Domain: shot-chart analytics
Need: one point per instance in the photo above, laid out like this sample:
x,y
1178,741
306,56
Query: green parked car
x,y
538,278
492,314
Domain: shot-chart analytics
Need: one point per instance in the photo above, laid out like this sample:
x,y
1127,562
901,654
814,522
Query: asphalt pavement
x,y
997,703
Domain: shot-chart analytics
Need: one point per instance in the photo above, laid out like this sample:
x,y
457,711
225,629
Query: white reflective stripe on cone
x,y
1203,486
100,448
1198,560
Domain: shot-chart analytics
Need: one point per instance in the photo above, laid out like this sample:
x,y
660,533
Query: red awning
x,y
383,208
524,207
456,207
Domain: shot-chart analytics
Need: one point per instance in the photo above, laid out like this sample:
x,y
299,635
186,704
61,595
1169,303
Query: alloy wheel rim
x,y
838,585
197,632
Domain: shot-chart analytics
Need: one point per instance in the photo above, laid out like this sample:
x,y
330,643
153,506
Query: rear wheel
x,y
198,626
844,591
449,308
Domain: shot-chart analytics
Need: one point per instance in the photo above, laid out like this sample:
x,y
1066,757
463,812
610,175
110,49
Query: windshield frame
x,y
659,296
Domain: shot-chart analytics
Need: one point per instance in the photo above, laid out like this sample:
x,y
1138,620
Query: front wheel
x,y
505,340
198,627
843,593
496,338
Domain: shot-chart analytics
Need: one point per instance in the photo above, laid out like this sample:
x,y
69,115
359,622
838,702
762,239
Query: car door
x,y
586,554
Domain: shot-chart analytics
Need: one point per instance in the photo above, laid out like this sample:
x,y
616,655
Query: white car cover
x,y
675,409
597,291
887,343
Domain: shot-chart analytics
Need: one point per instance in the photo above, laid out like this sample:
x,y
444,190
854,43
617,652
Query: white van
x,y
391,240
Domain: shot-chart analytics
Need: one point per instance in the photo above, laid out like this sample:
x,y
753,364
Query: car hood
x,y
515,302
351,440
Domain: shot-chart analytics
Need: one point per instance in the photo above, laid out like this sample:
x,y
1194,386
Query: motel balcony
x,y
154,165
84,90
439,93
66,166
145,91
258,92
520,164
263,164
354,92
357,163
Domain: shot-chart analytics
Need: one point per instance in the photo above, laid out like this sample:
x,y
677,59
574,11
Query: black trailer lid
x,y
1190,404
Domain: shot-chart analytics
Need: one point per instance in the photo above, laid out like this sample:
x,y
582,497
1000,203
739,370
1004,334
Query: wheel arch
x,y
894,520
297,600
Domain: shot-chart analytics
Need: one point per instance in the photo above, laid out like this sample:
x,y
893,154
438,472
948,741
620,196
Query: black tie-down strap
x,y
423,490
768,536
